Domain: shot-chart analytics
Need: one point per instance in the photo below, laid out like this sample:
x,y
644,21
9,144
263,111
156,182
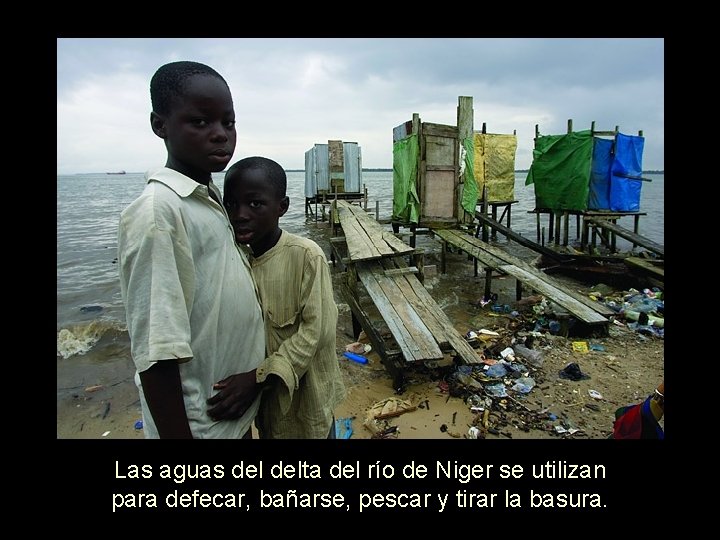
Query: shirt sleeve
x,y
315,329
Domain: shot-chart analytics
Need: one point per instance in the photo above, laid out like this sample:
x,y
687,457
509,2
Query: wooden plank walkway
x,y
635,238
496,259
365,237
418,325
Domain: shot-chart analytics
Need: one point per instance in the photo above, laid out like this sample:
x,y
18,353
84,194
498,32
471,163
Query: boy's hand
x,y
237,392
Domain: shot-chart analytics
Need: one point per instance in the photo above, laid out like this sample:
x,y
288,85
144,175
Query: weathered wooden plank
x,y
439,130
411,334
383,241
465,242
426,313
439,194
401,271
453,337
359,246
501,257
406,307
628,235
580,310
398,246
372,228
643,264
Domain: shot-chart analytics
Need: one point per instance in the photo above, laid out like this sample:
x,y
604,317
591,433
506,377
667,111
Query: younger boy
x,y
301,377
192,311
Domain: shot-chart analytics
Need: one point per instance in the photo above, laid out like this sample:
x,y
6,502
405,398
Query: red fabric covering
x,y
628,422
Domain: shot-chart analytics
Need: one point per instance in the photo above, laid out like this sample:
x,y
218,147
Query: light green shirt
x,y
188,295
300,324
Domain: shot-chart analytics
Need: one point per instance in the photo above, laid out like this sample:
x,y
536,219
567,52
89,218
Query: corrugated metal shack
x,y
333,170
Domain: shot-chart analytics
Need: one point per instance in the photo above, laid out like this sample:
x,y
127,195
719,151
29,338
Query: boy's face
x,y
254,209
199,132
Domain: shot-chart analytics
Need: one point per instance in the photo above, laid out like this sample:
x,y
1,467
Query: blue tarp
x,y
626,170
599,196
615,174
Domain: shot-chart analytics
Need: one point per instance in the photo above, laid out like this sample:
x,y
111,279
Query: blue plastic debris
x,y
343,428
139,424
356,357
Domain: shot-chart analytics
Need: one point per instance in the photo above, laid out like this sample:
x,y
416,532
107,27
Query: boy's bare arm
x,y
163,393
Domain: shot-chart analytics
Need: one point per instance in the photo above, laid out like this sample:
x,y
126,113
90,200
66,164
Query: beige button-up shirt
x,y
188,295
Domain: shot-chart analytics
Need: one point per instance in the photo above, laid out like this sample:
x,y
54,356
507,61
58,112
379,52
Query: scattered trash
x,y
496,390
91,309
580,346
94,388
524,385
496,371
473,433
572,371
390,407
139,424
595,394
534,357
597,347
106,434
358,348
508,354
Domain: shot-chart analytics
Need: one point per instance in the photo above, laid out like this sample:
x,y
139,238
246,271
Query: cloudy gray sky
x,y
291,93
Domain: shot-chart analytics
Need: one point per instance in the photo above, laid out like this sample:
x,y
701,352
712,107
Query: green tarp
x,y
561,171
495,165
406,203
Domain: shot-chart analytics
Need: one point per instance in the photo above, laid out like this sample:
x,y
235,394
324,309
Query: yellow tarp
x,y
495,165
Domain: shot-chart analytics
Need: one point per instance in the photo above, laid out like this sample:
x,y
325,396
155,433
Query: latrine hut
x,y
441,172
333,170
587,174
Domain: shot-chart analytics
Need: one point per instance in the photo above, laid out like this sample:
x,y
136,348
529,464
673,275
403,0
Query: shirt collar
x,y
183,185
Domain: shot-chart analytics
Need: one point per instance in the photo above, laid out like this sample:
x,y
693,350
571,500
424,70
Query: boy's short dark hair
x,y
275,173
169,82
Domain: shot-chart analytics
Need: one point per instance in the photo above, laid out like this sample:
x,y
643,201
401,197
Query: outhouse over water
x,y
333,170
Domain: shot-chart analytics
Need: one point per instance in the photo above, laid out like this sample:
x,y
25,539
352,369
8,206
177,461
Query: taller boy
x,y
192,311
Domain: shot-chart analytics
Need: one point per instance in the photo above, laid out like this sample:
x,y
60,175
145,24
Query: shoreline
x,y
625,371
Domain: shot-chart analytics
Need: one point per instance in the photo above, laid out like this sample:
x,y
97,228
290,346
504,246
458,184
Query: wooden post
x,y
365,198
377,210
518,290
488,281
537,225
465,130
493,234
551,226
566,215
577,225
584,237
443,256
558,216
569,125
484,213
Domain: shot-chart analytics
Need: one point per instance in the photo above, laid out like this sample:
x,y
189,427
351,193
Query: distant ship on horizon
x,y
118,172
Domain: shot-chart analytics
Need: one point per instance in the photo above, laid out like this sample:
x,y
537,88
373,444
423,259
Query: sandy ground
x,y
99,399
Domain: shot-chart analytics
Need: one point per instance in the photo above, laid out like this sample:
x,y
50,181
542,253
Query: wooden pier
x,y
609,230
495,259
375,258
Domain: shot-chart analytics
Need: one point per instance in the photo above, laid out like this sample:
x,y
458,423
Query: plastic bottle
x,y
632,315
533,357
